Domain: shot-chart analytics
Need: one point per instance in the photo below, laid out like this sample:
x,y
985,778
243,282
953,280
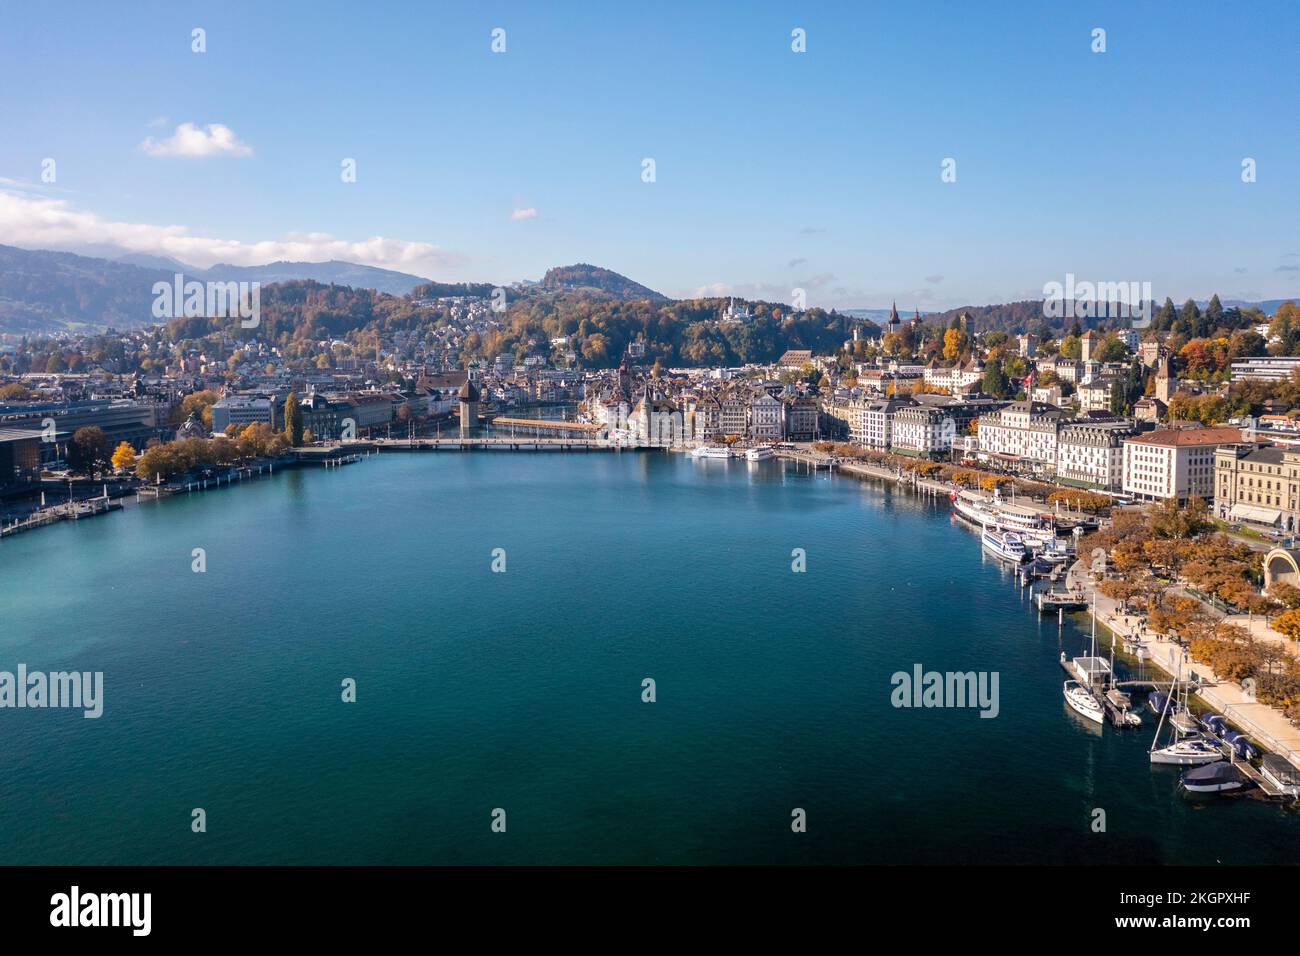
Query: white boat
x,y
760,453
1006,545
994,512
1188,752
711,451
1082,702
1281,773
1188,748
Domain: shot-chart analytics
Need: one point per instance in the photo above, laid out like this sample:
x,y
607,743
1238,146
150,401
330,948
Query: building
x,y
1089,342
1095,394
244,410
1174,463
794,360
766,417
1166,381
1265,368
1022,435
20,457
1091,454
954,380
924,431
801,418
1028,344
1150,410
469,398
1258,484
872,425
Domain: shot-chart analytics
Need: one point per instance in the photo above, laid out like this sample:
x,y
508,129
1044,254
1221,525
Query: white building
x,y
1091,454
1023,433
1174,462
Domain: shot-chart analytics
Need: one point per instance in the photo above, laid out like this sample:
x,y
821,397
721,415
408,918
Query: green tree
x,y
995,381
293,420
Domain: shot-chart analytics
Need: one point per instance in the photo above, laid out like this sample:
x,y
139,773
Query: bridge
x,y
466,443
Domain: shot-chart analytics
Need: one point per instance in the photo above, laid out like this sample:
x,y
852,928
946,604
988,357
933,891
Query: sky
x,y
774,170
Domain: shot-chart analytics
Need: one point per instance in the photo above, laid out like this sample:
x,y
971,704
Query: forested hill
x,y
297,315
584,277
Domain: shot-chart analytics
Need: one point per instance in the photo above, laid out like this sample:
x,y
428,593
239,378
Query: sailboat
x,y
1186,750
1082,702
1128,717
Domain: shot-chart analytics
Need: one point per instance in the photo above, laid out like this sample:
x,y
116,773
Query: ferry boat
x,y
711,451
1082,702
1005,545
760,453
994,512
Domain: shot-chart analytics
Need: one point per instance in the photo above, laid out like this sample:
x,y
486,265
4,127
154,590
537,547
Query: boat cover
x,y
1213,773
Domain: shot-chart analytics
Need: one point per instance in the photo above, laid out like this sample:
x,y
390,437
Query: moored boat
x,y
711,451
1006,545
1281,773
1082,702
1213,778
760,453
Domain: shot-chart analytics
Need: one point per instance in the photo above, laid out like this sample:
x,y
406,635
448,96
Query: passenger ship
x,y
1000,515
711,451
760,453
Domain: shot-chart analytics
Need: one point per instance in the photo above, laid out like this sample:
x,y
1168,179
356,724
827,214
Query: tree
x,y
1288,624
995,381
124,457
88,450
293,420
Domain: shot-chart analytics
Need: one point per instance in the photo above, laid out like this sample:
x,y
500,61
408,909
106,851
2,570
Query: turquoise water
x,y
522,690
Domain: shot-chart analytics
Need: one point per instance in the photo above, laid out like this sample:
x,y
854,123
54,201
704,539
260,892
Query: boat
x,y
1082,702
1239,744
1187,748
1006,545
1281,773
1051,600
1123,705
1213,778
760,453
1000,515
711,451
1192,751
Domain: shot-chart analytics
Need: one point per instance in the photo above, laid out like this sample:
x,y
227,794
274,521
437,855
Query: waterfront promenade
x,y
1258,720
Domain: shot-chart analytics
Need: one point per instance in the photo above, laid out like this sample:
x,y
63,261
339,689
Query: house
x,y
1174,463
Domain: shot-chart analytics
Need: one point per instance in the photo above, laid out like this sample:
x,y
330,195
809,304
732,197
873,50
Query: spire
x,y
893,313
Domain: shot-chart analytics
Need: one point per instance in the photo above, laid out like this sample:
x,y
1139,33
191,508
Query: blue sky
x,y
773,169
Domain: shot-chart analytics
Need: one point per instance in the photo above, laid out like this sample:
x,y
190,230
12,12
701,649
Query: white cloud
x,y
520,214
38,222
189,140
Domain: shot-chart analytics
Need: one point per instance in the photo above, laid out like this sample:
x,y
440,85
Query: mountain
x,y
44,291
584,277
333,272
49,291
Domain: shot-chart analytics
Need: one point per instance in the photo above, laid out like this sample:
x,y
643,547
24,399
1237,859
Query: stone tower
x,y
469,399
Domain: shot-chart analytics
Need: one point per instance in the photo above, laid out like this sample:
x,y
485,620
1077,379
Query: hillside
x,y
584,277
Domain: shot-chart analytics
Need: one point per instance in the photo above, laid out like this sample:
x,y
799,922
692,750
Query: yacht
x,y
1187,748
1082,702
711,451
1006,545
1192,751
760,453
